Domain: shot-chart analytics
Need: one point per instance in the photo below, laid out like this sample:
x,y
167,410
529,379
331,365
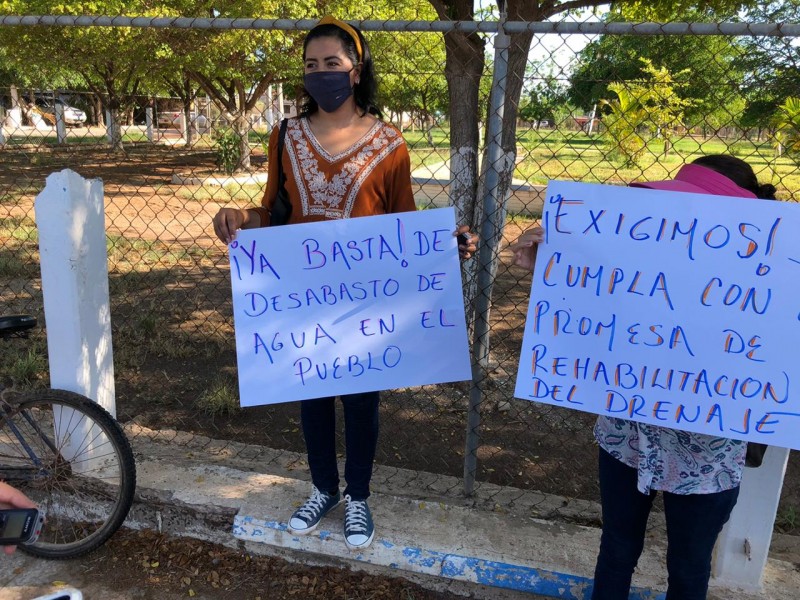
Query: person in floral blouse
x,y
340,161
698,475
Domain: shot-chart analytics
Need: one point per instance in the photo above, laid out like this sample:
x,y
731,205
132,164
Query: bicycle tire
x,y
85,478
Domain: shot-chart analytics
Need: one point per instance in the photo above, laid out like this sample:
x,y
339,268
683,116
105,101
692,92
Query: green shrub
x,y
228,151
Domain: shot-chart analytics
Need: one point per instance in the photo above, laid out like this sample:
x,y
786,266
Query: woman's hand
x,y
228,220
467,242
11,497
525,247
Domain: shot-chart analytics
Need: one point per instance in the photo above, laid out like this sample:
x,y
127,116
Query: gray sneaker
x,y
306,518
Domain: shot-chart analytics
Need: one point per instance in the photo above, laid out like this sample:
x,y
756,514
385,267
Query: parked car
x,y
169,118
73,117
172,118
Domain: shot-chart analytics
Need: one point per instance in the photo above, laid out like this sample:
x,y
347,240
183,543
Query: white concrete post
x,y
109,128
268,108
61,125
70,218
194,125
148,116
182,126
591,119
2,124
14,118
279,103
743,546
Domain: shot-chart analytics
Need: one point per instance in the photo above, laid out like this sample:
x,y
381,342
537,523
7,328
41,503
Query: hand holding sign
x,y
664,309
526,246
348,306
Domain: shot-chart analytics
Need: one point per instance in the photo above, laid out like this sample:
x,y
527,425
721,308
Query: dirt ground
x,y
173,336
149,566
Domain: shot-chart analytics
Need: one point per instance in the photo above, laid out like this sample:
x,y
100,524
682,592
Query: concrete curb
x,y
456,567
204,489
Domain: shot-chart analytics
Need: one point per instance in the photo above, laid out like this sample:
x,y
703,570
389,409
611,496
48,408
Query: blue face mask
x,y
329,89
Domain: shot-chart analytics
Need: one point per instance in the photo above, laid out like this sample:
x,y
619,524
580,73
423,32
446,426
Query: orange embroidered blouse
x,y
372,177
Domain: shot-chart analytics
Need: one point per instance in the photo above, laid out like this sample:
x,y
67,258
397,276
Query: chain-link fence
x,y
175,120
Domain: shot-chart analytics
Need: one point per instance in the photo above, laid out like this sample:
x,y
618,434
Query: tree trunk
x,y
463,70
190,125
115,129
115,125
97,106
241,126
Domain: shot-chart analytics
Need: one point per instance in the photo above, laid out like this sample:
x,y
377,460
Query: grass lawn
x,y
547,154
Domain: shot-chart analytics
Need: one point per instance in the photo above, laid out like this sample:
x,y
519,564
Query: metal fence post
x,y
486,253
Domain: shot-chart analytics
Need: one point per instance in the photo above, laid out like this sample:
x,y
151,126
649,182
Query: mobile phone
x,y
462,239
20,525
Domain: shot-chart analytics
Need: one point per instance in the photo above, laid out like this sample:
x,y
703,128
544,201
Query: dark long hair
x,y
366,90
739,172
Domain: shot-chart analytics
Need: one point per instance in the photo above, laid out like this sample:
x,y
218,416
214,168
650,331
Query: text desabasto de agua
x,y
637,390
251,263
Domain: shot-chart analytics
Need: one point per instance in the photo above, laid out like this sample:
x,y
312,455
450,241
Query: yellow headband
x,y
329,20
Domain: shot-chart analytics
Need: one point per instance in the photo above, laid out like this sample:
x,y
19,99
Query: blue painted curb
x,y
522,578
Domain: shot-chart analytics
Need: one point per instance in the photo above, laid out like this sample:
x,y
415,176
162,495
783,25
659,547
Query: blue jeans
x,y
693,524
318,418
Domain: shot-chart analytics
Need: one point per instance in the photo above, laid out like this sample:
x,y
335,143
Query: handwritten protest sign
x,y
679,310
348,306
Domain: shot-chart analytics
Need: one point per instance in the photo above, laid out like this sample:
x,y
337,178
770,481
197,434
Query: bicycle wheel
x,y
72,458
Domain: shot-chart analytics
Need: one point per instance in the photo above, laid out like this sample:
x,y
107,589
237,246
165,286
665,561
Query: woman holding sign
x,y
699,475
338,160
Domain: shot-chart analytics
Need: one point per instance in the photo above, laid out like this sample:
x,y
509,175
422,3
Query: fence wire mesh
x,y
175,122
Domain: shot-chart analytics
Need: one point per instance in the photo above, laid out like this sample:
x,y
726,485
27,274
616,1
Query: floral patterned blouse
x,y
671,460
371,177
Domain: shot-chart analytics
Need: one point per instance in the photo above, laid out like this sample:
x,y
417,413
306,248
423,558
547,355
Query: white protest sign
x,y
679,310
348,306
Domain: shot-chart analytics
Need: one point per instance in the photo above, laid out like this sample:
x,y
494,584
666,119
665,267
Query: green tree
x,y
771,64
786,121
411,80
542,100
410,65
625,122
181,85
645,108
111,61
235,67
464,70
715,86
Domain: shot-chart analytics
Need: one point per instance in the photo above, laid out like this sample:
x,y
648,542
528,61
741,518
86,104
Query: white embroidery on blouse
x,y
334,198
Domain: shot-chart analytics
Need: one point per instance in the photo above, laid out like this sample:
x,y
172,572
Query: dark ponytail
x,y
739,172
766,191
